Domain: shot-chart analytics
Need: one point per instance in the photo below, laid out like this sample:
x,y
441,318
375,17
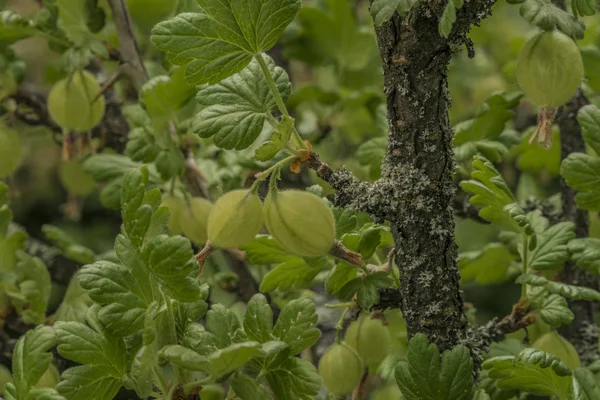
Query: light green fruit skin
x,y
341,369
10,151
70,102
193,219
175,206
390,391
75,179
300,222
236,218
555,344
147,13
49,379
212,392
550,68
369,338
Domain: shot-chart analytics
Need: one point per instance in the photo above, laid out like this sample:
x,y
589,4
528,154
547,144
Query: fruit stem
x,y
261,176
340,326
543,131
203,255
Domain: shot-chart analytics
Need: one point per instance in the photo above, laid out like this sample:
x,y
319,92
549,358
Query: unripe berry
x,y
70,102
175,206
193,219
341,369
10,151
550,68
369,338
75,179
300,222
235,219
553,343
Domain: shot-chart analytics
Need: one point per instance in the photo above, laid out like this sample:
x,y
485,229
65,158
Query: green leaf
x,y
584,7
569,291
14,27
185,358
486,266
426,376
104,167
142,370
491,193
34,285
142,146
75,304
31,359
88,382
532,371
551,251
69,247
247,388
220,40
383,10
555,310
162,96
295,379
258,319
589,119
481,395
292,274
448,17
223,323
340,275
586,385
371,153
586,253
582,172
296,325
72,20
537,159
235,110
366,289
547,16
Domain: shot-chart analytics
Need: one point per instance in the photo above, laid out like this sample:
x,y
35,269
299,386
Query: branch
x,y
129,51
31,108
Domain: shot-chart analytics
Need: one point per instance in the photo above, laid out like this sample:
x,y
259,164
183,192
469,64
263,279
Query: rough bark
x,y
420,163
582,332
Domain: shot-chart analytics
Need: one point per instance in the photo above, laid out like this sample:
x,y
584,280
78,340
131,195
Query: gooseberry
x,y
75,179
550,70
71,102
300,222
555,344
193,219
341,369
369,338
235,219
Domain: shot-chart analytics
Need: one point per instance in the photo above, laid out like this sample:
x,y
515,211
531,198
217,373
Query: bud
x,y
71,102
235,219
193,219
369,338
341,369
300,222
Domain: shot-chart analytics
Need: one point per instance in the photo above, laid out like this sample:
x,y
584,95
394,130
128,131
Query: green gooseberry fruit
x,y
193,219
300,222
235,219
75,179
212,392
369,338
10,151
341,369
550,68
389,391
70,102
176,206
147,13
555,344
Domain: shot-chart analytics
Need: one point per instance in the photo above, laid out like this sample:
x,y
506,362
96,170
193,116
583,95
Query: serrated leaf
x,y
291,274
371,153
68,245
490,192
75,304
296,325
258,319
340,275
163,95
481,395
14,27
569,291
589,119
555,311
34,285
31,359
223,323
220,40
532,371
551,251
365,289
247,388
104,167
235,110
582,172
88,382
547,17
586,253
296,379
584,7
586,385
486,266
72,20
142,146
427,377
